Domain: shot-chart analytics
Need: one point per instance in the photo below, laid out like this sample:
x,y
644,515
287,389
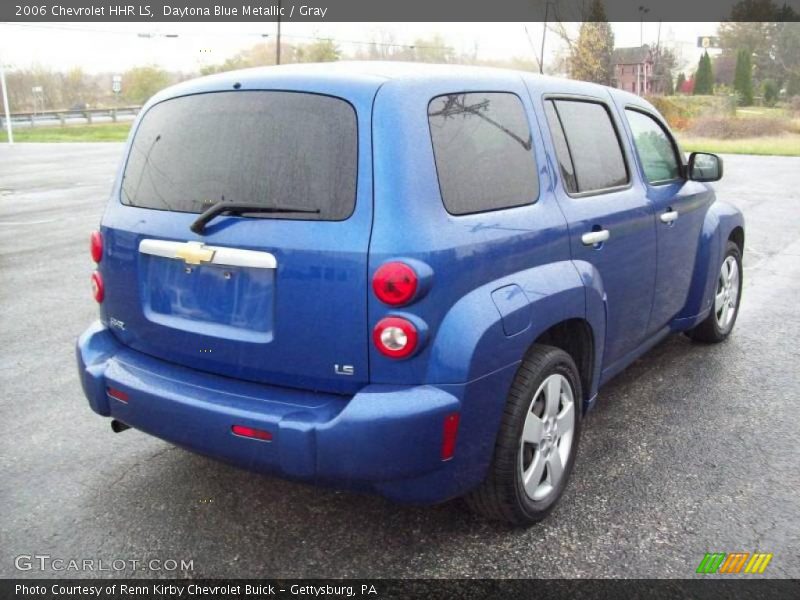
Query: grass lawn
x,y
787,144
775,112
104,132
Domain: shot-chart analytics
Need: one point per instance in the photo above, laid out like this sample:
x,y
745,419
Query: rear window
x,y
272,148
482,146
591,145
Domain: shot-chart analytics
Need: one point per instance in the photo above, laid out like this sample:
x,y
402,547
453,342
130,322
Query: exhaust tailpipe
x,y
118,426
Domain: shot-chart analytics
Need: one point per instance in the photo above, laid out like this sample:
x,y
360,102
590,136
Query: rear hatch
x,y
270,297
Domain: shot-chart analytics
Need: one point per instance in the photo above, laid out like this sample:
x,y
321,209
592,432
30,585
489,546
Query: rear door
x,y
275,298
611,222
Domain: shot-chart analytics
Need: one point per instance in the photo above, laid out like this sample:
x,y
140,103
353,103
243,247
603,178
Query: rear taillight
x,y
96,246
395,283
395,337
98,290
117,394
252,433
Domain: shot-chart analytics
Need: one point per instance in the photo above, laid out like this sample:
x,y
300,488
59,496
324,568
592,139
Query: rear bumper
x,y
385,438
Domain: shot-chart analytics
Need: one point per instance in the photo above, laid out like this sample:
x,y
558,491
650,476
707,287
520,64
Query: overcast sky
x,y
99,47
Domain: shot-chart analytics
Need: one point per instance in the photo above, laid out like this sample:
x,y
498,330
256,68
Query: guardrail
x,y
62,117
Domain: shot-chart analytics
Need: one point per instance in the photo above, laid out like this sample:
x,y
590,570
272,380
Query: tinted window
x,y
593,145
562,150
482,146
655,148
272,148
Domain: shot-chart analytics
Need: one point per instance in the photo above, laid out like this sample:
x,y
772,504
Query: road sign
x,y
37,89
116,84
708,41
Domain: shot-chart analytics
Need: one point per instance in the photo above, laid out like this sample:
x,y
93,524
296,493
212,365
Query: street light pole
x,y
5,102
642,12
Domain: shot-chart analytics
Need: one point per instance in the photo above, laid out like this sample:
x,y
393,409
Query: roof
x,y
360,79
385,70
631,56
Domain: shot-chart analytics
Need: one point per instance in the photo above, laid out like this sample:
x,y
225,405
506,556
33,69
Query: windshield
x,y
268,148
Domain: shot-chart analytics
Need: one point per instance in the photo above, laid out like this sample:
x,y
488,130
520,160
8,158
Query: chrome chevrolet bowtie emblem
x,y
194,253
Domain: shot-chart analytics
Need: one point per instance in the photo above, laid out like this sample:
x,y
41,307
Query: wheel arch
x,y
575,337
723,222
474,339
737,237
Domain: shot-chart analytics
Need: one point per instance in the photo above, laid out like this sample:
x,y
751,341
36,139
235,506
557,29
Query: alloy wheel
x,y
727,296
547,437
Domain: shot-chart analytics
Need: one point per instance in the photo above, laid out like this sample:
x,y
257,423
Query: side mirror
x,y
704,166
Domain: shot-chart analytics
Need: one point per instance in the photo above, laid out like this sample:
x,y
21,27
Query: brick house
x,y
633,69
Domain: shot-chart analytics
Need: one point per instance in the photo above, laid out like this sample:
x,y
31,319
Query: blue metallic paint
x,y
491,284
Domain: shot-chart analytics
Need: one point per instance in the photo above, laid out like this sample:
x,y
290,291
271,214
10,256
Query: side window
x,y
593,145
562,150
655,147
482,147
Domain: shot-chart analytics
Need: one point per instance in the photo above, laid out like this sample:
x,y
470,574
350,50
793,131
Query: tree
x,y
770,90
680,82
591,55
769,32
319,51
139,83
664,62
22,81
743,78
76,88
724,66
793,86
667,85
433,50
704,78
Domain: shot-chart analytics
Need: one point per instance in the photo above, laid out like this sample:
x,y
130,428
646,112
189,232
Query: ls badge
x,y
344,369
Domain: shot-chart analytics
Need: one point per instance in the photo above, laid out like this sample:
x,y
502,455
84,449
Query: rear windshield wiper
x,y
239,208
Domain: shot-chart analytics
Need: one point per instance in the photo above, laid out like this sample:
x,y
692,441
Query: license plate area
x,y
229,302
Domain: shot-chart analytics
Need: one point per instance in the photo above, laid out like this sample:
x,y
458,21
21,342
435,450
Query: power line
x,y
221,34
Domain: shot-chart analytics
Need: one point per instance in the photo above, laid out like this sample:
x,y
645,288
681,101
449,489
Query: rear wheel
x,y
720,321
537,441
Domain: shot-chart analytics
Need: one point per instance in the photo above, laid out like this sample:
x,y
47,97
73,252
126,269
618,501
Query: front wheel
x,y
718,325
537,441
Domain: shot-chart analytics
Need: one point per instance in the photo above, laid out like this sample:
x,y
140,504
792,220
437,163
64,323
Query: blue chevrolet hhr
x,y
404,278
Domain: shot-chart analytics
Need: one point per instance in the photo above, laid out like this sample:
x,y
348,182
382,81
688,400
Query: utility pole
x,y
657,77
278,38
544,35
533,48
5,102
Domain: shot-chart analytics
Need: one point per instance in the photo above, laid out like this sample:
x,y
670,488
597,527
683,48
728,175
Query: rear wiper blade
x,y
238,208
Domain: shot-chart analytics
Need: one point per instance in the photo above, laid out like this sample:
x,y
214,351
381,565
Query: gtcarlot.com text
x,y
46,562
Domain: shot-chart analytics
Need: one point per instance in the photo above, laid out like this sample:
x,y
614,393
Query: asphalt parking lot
x,y
693,449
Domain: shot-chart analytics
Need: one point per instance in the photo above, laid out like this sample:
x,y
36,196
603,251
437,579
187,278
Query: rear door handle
x,y
669,217
595,237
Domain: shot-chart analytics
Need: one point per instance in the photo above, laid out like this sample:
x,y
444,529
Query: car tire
x,y
717,326
537,425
